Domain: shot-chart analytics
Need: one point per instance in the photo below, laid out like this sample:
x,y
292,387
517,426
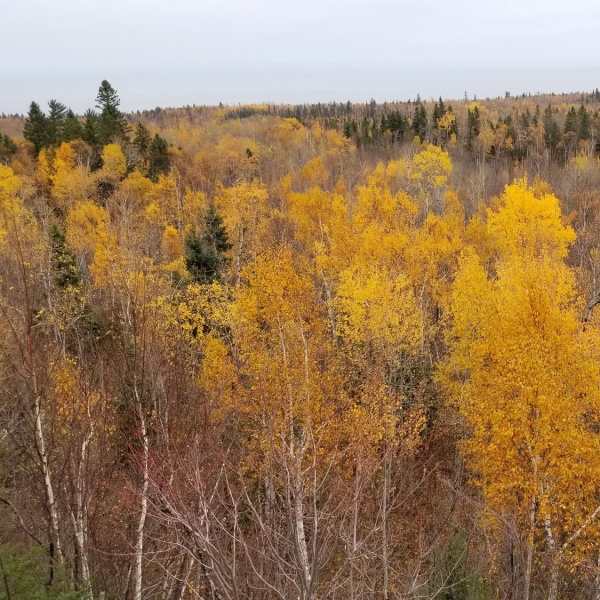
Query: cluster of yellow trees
x,y
295,427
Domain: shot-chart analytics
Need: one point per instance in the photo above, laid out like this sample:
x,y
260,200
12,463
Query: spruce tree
x,y
7,148
90,127
160,161
584,123
72,128
419,124
64,261
142,139
56,121
439,110
551,129
205,253
572,121
35,129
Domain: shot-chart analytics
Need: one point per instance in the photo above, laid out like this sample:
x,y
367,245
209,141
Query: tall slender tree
x,y
35,129
112,124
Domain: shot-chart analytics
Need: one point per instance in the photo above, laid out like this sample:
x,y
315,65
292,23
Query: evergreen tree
x,y
64,261
56,120
160,161
7,148
111,121
419,124
35,129
205,256
72,128
142,139
439,110
551,129
90,128
572,121
584,123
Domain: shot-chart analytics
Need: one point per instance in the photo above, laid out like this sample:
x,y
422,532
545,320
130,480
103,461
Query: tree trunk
x,y
554,572
529,550
139,547
49,490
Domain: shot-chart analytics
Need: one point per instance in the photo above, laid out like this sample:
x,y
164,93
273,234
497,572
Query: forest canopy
x,y
318,351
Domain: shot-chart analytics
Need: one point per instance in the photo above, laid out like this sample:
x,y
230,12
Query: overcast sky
x,y
176,52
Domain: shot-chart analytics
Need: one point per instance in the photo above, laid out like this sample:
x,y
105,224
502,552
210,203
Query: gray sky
x,y
176,52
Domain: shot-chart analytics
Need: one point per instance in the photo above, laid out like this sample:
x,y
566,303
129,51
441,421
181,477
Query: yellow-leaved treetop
x,y
526,377
114,164
430,170
528,222
71,182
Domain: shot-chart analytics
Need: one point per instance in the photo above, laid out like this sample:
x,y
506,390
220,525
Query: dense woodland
x,y
334,351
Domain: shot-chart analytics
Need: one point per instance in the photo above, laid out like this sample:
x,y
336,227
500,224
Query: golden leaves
x,y
528,223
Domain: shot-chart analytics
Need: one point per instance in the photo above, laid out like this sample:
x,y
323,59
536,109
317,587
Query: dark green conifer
x,y
205,253
72,128
584,123
419,123
57,114
7,148
64,261
35,129
112,124
142,139
551,129
572,121
160,162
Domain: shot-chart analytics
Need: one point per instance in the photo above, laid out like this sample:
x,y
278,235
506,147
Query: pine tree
x,y
35,129
111,121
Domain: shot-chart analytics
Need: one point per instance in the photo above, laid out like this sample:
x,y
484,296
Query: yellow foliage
x,y
86,226
526,379
527,223
314,173
172,248
431,167
70,182
446,123
378,309
247,217
114,165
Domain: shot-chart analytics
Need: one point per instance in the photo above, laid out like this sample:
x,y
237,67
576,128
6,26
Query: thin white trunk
x,y
553,586
300,533
529,550
139,547
80,516
50,498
